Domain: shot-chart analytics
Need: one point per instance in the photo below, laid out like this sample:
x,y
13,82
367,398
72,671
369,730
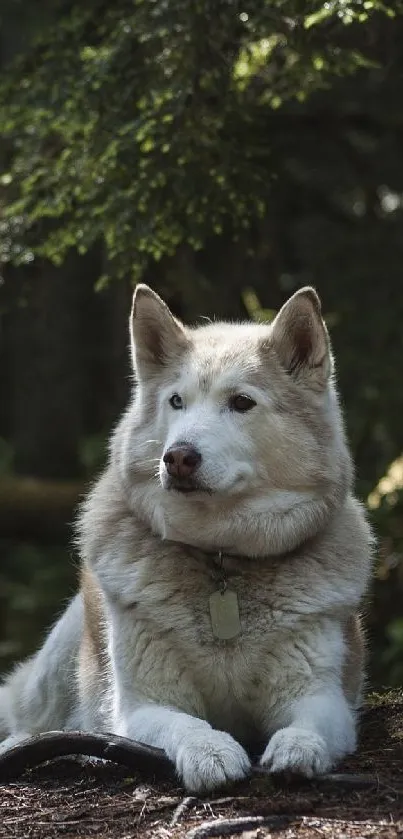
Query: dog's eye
x,y
241,403
176,402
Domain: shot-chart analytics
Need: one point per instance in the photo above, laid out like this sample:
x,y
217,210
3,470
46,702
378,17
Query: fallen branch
x,y
33,508
340,779
122,750
346,780
55,744
228,827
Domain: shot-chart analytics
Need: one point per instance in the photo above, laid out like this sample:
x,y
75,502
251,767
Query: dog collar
x,y
223,602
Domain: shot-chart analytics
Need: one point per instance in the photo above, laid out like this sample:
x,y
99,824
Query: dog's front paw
x,y
211,760
297,750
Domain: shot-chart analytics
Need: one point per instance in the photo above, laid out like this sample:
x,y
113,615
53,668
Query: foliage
x,y
149,124
385,618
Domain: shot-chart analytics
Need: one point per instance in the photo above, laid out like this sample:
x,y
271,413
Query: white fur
x,y
296,550
41,691
204,757
322,730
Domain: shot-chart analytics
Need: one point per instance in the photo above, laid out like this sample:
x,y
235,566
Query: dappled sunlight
x,y
388,486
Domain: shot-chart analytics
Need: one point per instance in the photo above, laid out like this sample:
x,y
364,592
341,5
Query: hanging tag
x,y
224,614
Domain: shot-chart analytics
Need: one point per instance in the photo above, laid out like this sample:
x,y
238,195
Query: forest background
x,y
227,153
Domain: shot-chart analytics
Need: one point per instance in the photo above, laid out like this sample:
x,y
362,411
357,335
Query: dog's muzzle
x,y
182,462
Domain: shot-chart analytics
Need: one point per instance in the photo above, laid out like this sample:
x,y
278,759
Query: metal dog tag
x,y
224,614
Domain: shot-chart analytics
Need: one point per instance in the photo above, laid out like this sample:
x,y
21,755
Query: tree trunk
x,y
47,359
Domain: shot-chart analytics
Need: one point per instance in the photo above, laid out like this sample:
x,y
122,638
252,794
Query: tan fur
x,y
93,674
93,651
355,659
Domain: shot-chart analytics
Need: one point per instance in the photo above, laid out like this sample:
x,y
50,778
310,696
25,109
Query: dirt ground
x,y
69,798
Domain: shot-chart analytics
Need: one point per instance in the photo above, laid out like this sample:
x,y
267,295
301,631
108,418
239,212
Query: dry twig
x,y
183,806
228,827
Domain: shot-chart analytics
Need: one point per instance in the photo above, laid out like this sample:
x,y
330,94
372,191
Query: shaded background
x,y
227,153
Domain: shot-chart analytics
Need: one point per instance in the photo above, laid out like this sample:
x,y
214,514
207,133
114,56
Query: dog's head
x,y
233,422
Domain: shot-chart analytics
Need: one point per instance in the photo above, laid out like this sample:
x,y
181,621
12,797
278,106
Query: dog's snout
x,y
182,460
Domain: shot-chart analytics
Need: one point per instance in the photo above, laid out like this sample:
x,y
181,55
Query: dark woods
x,y
227,154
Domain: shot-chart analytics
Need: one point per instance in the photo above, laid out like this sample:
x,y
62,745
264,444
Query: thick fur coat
x,y
229,473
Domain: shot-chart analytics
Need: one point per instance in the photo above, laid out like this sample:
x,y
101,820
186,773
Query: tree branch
x,y
55,744
32,508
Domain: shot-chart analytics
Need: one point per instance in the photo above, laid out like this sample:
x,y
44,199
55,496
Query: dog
x,y
224,559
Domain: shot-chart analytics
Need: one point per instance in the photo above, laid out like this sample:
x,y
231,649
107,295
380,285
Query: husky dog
x,y
224,559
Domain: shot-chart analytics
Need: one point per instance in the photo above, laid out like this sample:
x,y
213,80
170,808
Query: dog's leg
x,y
204,758
320,731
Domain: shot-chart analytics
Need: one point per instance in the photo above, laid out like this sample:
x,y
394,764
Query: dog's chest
x,y
207,607
166,637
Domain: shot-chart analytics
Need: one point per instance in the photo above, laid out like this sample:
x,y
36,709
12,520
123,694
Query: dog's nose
x,y
181,460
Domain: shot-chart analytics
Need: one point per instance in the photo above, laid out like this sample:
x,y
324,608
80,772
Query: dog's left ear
x,y
300,339
157,336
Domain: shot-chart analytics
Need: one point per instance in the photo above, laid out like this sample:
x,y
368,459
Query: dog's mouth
x,y
185,487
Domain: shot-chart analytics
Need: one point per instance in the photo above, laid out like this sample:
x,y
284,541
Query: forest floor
x,y
70,799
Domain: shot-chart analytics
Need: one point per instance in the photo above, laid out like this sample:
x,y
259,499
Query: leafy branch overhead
x,y
149,124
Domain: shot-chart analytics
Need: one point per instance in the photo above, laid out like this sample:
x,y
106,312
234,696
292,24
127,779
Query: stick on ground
x,y
229,827
54,744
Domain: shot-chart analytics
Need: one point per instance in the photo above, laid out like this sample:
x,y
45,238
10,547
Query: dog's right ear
x,y
301,341
157,337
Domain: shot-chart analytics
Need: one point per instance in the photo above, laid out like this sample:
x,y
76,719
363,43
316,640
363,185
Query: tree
x,y
152,124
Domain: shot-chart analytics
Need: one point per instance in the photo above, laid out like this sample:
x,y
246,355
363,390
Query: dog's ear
x,y
300,339
157,337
